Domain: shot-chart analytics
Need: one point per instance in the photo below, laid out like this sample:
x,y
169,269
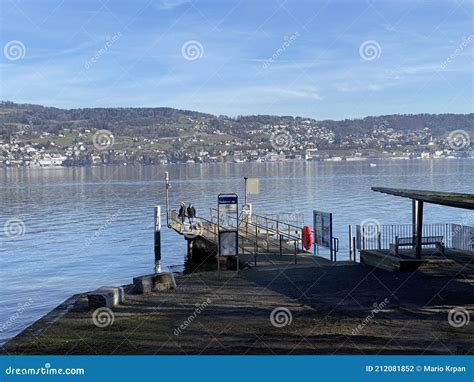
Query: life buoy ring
x,y
306,237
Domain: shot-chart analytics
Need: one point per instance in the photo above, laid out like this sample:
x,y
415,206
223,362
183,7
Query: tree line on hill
x,y
168,122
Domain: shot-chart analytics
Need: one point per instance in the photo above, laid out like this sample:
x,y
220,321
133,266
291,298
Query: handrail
x,y
266,227
277,221
212,227
249,238
241,222
269,219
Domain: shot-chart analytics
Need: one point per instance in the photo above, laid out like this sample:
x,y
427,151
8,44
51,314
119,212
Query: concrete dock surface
x,y
313,307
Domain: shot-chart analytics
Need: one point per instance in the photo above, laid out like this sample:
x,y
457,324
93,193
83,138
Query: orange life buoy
x,y
306,237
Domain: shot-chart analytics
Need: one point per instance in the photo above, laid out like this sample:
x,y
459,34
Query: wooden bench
x,y
437,241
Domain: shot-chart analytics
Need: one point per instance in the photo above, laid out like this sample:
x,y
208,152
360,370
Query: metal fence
x,y
462,237
375,236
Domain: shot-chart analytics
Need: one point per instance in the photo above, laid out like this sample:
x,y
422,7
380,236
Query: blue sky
x,y
322,59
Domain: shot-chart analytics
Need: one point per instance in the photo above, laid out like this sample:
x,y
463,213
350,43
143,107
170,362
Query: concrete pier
x,y
313,307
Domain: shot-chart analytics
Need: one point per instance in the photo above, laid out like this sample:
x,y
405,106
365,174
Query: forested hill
x,y
168,122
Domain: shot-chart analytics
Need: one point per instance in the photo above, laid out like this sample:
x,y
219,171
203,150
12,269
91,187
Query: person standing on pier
x,y
191,215
182,214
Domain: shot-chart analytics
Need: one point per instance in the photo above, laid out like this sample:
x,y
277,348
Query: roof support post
x,y
419,226
413,220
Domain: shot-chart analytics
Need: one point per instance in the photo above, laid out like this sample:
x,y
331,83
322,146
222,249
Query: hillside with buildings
x,y
33,135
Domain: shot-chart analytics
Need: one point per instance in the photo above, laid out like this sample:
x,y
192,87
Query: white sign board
x,y
253,186
228,243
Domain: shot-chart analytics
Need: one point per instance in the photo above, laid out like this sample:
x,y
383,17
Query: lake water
x,y
82,228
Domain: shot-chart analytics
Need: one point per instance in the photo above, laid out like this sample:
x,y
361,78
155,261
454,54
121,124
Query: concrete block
x,y
166,279
106,297
118,294
154,283
143,284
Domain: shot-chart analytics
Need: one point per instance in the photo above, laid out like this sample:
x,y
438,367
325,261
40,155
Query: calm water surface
x,y
89,227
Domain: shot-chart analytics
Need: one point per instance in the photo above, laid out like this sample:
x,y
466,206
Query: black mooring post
x,y
157,239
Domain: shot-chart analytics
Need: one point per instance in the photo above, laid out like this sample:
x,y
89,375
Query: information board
x,y
227,217
322,223
228,243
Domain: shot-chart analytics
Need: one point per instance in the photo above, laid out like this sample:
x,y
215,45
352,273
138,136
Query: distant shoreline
x,y
365,160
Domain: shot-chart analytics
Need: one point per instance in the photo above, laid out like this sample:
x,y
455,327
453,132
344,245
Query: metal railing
x,y
375,236
264,224
203,227
253,237
209,229
275,234
462,237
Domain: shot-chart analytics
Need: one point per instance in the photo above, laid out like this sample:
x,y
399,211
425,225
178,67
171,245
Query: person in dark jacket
x,y
182,213
191,215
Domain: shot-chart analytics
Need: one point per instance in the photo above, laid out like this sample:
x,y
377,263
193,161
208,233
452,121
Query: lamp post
x,y
245,198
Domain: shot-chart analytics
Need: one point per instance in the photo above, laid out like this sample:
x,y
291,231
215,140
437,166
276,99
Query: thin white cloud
x,y
283,92
166,5
350,88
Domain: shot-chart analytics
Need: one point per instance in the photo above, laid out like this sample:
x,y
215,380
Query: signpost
x,y
322,223
227,235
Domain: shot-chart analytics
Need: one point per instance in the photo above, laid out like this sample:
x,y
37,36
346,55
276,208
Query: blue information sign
x,y
227,199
